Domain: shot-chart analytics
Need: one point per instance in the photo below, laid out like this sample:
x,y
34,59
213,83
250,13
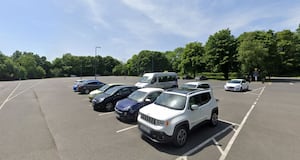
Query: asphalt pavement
x,y
45,119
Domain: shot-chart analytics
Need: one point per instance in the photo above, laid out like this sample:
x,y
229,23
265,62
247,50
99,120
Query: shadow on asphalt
x,y
196,137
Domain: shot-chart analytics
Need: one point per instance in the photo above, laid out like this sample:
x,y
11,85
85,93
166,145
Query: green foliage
x,y
257,50
220,52
191,60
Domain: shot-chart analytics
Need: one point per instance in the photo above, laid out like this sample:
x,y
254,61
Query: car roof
x,y
148,90
126,86
196,83
237,79
185,91
116,84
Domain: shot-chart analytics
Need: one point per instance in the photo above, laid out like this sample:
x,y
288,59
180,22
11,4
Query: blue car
x,y
89,85
128,108
76,84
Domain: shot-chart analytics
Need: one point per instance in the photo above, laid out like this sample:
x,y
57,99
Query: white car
x,y
236,85
175,112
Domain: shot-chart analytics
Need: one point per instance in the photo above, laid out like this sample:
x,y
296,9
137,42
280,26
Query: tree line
x,y
270,53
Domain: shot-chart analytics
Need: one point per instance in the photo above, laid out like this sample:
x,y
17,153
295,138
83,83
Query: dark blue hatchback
x,y
128,108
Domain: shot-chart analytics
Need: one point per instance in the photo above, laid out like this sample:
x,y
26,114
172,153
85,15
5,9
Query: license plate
x,y
145,128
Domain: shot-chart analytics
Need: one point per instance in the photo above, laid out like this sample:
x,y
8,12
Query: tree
x,y
192,62
258,50
174,58
286,47
220,52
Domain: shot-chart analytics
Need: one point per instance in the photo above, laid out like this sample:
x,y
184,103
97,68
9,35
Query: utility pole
x,y
95,63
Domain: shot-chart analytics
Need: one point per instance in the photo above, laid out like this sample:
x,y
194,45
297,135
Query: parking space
x,y
45,119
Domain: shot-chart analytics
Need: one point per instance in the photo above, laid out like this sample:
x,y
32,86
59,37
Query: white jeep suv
x,y
175,112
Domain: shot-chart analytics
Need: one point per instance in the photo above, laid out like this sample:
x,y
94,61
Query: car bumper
x,y
125,115
98,106
231,89
156,136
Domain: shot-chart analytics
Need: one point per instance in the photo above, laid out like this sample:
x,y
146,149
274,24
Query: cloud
x,y
182,19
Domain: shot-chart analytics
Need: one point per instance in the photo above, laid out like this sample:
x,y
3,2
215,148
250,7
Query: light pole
x,y
95,67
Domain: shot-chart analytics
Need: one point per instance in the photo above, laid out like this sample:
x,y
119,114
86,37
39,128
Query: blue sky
x,y
123,28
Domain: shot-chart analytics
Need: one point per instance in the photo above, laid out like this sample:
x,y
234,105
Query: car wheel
x,y
86,91
214,119
109,107
180,137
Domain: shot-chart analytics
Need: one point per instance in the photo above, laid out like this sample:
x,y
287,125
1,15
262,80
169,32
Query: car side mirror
x,y
194,107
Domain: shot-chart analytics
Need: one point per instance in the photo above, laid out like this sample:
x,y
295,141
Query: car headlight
x,y
101,99
161,123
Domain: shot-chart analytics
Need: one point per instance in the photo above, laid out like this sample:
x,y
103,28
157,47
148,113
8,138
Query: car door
x,y
244,84
202,112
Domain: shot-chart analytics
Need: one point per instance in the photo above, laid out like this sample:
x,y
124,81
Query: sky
x,y
122,28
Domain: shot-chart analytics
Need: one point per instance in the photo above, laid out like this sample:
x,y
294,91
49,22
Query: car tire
x,y
86,91
109,106
214,119
180,136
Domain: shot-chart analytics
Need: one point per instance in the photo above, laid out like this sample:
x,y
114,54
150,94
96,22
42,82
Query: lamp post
x,y
95,67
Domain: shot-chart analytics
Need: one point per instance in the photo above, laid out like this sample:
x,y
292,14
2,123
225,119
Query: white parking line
x,y
232,123
8,97
125,129
201,145
232,140
103,114
23,91
218,145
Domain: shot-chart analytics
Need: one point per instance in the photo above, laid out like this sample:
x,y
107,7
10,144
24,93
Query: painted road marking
x,y
201,145
103,114
8,97
232,140
23,91
218,145
125,129
225,152
232,123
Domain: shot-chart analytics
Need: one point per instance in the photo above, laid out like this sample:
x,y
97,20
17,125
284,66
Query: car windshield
x,y
145,79
172,101
189,86
112,90
104,88
234,81
137,96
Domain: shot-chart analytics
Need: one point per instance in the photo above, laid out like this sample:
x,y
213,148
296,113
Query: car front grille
x,y
148,119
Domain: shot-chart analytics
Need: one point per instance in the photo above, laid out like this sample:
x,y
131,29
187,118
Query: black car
x,y
106,101
89,85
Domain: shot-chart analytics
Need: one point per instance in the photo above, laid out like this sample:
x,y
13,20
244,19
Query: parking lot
x,y
45,119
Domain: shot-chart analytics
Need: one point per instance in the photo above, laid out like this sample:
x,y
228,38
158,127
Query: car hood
x,y
159,112
125,103
102,96
97,91
233,85
141,85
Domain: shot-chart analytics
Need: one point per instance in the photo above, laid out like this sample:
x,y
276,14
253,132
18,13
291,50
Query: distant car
x,y
96,92
76,83
236,85
89,85
107,100
128,108
200,78
196,85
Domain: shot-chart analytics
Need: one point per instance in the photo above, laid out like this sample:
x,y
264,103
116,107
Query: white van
x,y
158,80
